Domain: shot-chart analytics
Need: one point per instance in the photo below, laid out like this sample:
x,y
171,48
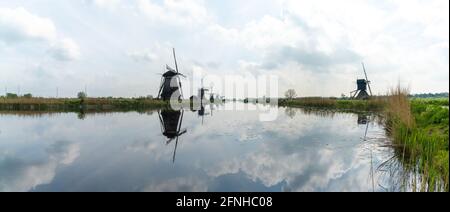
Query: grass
x,y
75,104
375,104
419,129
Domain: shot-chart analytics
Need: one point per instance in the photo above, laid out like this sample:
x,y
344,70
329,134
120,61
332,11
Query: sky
x,y
119,47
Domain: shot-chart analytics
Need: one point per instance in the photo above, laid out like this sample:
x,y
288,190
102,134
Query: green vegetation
x,y
431,95
77,104
11,95
81,95
375,104
419,129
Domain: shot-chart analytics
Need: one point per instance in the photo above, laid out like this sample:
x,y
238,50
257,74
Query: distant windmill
x,y
202,92
171,83
362,84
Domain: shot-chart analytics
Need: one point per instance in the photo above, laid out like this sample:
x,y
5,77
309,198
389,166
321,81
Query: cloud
x,y
298,40
142,56
182,184
19,174
65,50
174,12
108,4
18,26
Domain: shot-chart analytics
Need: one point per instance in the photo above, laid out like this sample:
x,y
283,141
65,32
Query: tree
x,y
81,95
11,95
290,94
28,95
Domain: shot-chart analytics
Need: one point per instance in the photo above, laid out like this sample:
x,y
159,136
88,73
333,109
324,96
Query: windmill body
x,y
170,86
361,91
171,83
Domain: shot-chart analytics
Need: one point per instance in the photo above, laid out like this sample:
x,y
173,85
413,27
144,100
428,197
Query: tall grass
x,y
421,141
399,107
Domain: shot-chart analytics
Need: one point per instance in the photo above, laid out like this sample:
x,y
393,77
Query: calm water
x,y
229,151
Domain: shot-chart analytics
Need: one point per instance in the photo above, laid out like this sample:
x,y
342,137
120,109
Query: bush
x,y
11,95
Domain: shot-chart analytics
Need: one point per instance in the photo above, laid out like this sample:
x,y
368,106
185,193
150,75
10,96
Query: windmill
x,y
202,92
171,83
362,85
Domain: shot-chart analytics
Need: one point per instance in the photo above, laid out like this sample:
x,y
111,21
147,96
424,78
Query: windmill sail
x,y
367,79
175,58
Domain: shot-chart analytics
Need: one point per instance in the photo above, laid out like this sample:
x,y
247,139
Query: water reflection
x,y
290,112
171,123
231,151
363,119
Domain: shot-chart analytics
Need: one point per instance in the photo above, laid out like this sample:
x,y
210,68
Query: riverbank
x,y
373,105
76,104
419,129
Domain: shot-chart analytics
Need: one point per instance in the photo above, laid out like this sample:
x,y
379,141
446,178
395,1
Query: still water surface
x,y
219,151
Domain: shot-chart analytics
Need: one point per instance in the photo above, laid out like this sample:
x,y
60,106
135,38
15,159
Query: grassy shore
x,y
375,104
419,128
75,104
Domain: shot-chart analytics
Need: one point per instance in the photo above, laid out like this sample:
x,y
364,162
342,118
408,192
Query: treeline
x,y
430,95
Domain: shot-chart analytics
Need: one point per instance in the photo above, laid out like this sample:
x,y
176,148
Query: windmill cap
x,y
170,74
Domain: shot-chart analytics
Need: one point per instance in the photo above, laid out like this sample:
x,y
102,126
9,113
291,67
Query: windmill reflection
x,y
171,123
201,109
363,119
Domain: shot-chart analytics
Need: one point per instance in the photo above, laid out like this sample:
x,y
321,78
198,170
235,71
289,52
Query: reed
x,y
420,133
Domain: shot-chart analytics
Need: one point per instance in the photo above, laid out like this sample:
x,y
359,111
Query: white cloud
x,y
19,25
65,50
299,40
184,184
108,4
23,175
175,12
140,56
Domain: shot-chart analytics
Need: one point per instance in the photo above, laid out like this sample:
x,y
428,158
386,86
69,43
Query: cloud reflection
x,y
19,173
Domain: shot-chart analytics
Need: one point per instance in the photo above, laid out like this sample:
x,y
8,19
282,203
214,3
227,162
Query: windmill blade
x,y
160,88
180,87
161,121
370,89
181,121
365,73
175,58
169,68
175,150
367,78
